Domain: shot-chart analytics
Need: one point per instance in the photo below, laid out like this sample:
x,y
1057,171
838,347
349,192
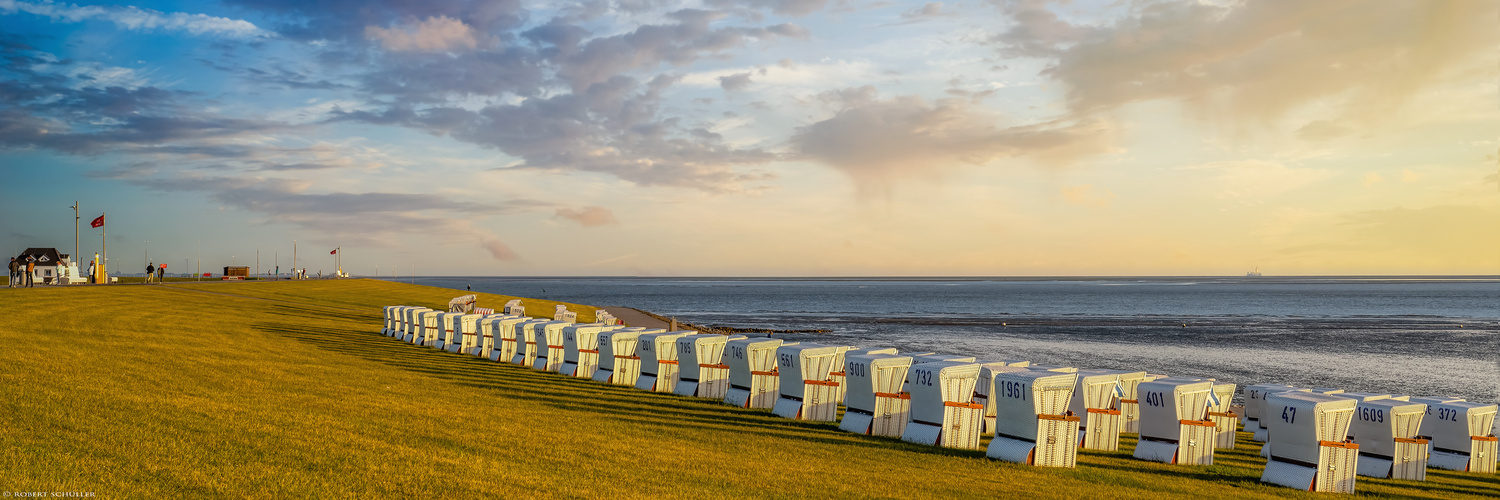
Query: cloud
x,y
1248,61
435,34
686,40
737,81
137,19
164,140
69,111
372,219
274,167
603,119
1408,176
1037,31
778,7
289,79
1373,178
21,130
612,127
499,250
788,30
347,20
927,12
876,140
791,77
411,80
588,216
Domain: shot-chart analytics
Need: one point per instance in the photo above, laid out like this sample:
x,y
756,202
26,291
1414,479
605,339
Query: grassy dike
x,y
287,389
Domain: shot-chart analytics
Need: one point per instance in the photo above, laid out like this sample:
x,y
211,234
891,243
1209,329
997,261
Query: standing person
x,y
150,272
15,272
161,273
30,271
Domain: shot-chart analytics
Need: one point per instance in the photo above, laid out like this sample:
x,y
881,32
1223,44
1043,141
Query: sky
x,y
758,137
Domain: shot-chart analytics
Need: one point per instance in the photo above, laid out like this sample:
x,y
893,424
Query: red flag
x,y
334,251
97,222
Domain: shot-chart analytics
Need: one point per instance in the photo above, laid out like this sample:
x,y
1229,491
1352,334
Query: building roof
x,y
44,256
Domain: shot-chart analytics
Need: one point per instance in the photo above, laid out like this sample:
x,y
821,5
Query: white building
x,y
52,268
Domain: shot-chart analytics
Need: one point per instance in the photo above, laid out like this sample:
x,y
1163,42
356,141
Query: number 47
x,y
1289,414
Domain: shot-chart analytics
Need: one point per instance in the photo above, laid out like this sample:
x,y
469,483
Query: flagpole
x,y
104,242
76,218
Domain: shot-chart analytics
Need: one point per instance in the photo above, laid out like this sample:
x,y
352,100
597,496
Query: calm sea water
x,y
1410,336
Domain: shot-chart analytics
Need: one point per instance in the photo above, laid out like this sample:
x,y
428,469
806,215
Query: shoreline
x,y
723,330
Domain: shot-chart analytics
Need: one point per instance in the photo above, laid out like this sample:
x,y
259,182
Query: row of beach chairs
x,y
1315,439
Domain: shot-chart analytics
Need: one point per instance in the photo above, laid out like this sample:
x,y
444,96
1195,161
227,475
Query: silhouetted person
x,y
15,273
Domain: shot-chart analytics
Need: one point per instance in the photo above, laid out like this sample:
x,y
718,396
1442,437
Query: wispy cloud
x,y
1244,62
138,19
927,12
589,216
372,219
434,34
879,141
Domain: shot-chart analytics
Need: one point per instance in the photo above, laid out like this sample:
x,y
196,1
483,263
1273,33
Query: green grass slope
x,y
287,389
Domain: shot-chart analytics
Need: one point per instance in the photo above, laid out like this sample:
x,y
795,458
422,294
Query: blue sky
x,y
759,137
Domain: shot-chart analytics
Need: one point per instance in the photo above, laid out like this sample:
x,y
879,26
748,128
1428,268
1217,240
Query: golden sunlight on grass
x,y
287,389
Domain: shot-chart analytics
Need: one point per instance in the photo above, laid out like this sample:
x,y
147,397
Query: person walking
x,y
30,271
150,272
15,273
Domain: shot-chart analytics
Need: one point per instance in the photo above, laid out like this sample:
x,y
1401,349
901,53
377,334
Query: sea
x,y
1418,336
